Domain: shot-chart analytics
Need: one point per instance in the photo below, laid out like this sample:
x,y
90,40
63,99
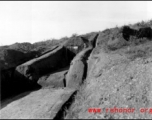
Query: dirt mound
x,y
118,79
49,62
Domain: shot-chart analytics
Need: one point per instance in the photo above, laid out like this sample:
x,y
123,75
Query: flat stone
x,y
41,104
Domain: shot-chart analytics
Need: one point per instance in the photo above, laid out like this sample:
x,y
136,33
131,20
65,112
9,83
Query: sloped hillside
x,y
119,76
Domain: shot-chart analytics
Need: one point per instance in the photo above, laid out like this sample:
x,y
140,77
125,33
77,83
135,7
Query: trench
x,y
12,85
63,111
16,86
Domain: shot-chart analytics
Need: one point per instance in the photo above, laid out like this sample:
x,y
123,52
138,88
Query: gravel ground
x,y
115,81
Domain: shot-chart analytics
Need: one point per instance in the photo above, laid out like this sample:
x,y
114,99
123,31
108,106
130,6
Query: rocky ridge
x,y
106,71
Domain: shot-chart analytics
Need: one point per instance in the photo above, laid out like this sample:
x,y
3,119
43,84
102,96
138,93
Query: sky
x,y
33,21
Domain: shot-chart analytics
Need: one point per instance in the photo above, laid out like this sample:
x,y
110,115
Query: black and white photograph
x,y
75,60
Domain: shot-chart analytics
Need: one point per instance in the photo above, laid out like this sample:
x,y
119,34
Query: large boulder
x,y
24,77
9,59
49,62
40,104
78,69
54,79
10,86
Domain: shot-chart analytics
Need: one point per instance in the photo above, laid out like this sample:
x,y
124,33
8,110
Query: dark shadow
x,y
15,84
56,61
86,64
145,32
95,40
14,97
64,80
62,112
85,71
17,87
87,54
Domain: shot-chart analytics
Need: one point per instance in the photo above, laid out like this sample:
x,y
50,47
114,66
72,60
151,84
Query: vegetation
x,y
120,76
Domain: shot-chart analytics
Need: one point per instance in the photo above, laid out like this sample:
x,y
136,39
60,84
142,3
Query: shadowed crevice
x,y
83,57
62,112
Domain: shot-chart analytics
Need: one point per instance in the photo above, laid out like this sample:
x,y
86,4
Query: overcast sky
x,y
32,21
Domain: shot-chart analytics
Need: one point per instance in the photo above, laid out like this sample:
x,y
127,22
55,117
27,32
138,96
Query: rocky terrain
x,y
95,76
